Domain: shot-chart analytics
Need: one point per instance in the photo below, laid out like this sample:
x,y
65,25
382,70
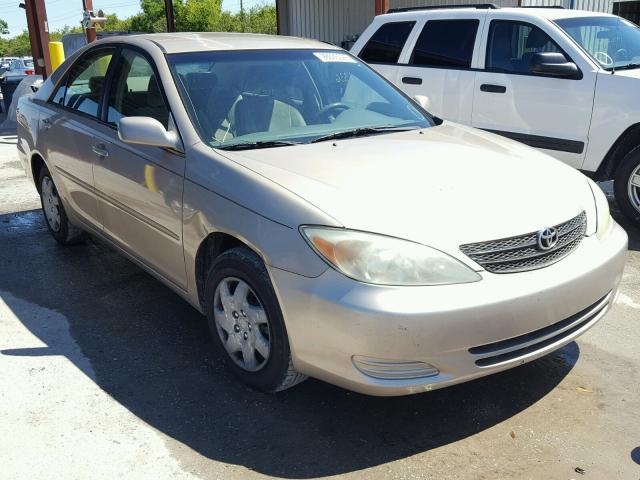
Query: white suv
x,y
564,81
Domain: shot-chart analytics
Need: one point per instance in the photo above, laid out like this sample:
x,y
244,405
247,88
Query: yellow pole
x,y
56,52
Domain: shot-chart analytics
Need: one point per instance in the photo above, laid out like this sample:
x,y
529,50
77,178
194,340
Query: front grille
x,y
519,254
510,349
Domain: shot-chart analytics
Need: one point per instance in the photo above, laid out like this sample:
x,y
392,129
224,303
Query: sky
x,y
69,12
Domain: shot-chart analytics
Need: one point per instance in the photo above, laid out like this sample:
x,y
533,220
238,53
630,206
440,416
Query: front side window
x,y
82,90
136,91
237,97
387,43
611,41
512,45
446,43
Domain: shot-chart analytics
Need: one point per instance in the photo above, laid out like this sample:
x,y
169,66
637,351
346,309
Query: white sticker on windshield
x,y
339,57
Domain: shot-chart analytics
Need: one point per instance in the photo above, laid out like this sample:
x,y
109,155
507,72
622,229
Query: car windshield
x,y
28,63
612,41
256,99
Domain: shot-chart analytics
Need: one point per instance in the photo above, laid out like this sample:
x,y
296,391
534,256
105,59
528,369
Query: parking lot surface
x,y
105,373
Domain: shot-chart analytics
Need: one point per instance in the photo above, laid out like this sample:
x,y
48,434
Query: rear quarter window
x,y
387,43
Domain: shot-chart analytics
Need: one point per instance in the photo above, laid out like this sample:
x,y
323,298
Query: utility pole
x,y
241,15
168,10
38,35
381,6
90,29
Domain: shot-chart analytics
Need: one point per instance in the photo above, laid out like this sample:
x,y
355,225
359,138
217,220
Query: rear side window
x,y
387,43
446,43
82,90
512,45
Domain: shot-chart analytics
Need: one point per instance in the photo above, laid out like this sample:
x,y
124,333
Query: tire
x,y
230,325
55,216
628,197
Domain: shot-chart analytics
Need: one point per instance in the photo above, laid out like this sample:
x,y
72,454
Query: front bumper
x,y
331,318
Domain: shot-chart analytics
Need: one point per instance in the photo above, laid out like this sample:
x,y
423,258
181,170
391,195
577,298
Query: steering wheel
x,y
622,54
328,110
605,59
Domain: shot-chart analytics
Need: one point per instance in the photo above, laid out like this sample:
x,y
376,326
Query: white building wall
x,y
605,6
428,3
327,20
336,21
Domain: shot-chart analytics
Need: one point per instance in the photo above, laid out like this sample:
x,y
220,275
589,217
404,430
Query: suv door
x,y
543,111
140,187
68,122
382,51
439,64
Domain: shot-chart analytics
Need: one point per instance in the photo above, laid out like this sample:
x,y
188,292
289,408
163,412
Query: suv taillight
x,y
29,72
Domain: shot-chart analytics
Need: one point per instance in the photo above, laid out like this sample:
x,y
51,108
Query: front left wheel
x,y
246,322
55,215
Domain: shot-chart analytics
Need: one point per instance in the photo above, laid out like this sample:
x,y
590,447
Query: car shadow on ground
x,y
151,352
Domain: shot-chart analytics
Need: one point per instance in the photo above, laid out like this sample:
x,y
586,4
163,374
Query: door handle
x,y
100,150
487,87
412,80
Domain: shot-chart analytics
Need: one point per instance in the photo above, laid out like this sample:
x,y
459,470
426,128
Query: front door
x,y
139,188
546,112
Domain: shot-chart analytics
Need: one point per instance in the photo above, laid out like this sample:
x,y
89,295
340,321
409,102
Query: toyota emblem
x,y
547,238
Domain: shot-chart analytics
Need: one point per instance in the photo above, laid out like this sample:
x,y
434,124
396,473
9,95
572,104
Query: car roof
x,y
548,13
206,41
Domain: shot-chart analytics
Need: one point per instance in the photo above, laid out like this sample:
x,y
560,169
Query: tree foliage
x,y
190,16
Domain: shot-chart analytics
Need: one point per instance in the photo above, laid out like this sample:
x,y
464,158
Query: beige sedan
x,y
326,224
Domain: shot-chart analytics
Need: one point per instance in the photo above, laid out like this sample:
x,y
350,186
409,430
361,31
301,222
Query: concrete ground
x,y
105,373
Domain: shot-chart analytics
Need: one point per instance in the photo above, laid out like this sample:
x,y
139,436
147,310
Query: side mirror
x,y
146,131
423,101
552,63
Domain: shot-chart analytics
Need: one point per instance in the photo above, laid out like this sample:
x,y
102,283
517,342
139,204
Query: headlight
x,y
603,216
383,260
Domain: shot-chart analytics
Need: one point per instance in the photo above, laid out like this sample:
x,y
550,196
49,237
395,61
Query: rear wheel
x,y
55,215
246,322
627,185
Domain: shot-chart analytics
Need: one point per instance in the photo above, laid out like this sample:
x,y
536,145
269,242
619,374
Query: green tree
x,y
4,28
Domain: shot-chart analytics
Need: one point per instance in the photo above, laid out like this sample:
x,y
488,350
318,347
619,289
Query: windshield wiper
x,y
261,144
363,131
628,66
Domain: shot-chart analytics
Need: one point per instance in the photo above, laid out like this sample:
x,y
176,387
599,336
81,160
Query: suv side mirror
x,y
553,63
146,131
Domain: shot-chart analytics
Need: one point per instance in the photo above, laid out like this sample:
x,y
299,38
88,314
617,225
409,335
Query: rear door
x,y
439,63
67,127
546,112
139,188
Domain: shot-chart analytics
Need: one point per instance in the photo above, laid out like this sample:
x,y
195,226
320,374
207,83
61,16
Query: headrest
x,y
95,84
154,96
201,80
537,39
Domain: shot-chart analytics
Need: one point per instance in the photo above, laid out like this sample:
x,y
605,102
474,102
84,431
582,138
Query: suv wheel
x,y
55,215
246,322
627,185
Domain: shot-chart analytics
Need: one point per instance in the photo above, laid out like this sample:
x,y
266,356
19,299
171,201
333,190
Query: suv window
x,y
135,91
387,43
82,90
446,43
512,45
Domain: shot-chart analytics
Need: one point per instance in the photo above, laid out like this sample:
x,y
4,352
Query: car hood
x,y
443,186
